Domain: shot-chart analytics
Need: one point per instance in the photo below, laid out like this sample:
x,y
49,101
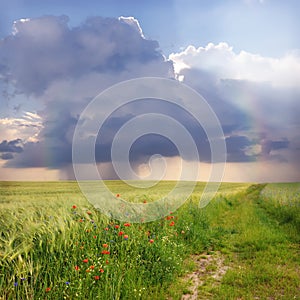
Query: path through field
x,y
259,257
207,267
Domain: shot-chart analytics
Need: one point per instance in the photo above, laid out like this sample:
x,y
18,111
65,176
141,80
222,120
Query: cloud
x,y
26,127
6,156
62,69
45,50
224,63
11,146
131,21
7,148
256,99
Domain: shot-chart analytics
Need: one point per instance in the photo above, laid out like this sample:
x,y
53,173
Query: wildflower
x,y
92,267
107,262
151,241
96,277
81,220
67,282
105,245
127,224
168,217
48,289
74,206
117,226
120,233
101,271
85,260
126,237
118,195
15,284
105,252
145,201
182,232
94,236
87,270
106,228
23,278
89,212
76,268
172,223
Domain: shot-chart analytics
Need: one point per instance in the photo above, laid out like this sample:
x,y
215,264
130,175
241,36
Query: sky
x,y
241,56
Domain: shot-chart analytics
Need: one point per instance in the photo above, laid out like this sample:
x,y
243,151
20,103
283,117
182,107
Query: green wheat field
x,y
245,244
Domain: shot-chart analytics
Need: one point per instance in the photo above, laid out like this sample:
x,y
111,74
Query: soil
x,y
208,267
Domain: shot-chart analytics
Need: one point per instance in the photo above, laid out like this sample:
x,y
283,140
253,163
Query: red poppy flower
x,y
105,252
127,224
85,260
76,268
118,195
92,267
74,206
172,223
101,271
169,217
96,277
151,241
145,201
89,212
106,228
107,262
48,289
105,245
94,236
117,226
125,237
120,233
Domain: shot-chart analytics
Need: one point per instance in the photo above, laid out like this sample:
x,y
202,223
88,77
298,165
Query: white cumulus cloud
x,y
224,63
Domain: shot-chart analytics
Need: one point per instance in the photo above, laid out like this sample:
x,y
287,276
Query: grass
x,y
51,250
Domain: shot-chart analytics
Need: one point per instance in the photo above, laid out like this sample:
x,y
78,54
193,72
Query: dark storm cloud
x,y
231,117
6,156
64,68
7,148
151,144
11,146
252,114
236,146
45,50
268,146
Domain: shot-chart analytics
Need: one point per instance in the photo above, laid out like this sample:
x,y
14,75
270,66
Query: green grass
x,y
44,243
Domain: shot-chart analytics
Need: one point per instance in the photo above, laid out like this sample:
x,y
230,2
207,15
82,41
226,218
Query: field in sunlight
x,y
55,245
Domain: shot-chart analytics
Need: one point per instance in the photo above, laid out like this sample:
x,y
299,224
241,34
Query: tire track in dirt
x,y
208,267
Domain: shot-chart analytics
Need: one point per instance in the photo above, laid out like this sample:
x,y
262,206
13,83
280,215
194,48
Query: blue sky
x,y
242,56
267,27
